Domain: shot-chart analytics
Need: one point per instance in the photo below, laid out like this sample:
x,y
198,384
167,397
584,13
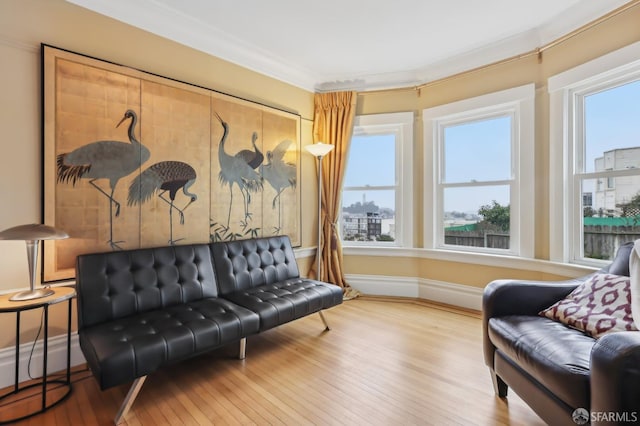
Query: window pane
x,y
371,161
612,128
612,218
368,215
478,151
612,142
477,216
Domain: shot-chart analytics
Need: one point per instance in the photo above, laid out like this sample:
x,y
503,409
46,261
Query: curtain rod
x,y
535,52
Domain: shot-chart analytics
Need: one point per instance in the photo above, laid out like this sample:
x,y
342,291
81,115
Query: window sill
x,y
487,259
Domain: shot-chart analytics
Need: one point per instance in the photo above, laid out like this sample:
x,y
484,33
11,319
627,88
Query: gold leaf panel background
x,y
135,160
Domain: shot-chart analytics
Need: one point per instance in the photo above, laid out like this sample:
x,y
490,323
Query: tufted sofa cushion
x,y
246,264
135,346
287,300
123,283
262,275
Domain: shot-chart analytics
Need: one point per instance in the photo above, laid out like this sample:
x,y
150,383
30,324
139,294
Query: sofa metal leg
x,y
324,320
128,401
499,386
243,348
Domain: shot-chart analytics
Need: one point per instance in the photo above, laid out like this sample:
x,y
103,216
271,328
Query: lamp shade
x,y
32,234
33,231
319,149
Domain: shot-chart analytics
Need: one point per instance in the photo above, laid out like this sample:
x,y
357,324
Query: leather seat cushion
x,y
122,350
287,300
556,355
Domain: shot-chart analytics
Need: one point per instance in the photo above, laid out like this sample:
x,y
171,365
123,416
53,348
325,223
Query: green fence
x,y
602,235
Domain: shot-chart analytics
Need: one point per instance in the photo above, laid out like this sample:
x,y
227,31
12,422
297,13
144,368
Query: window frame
x,y
567,91
401,125
519,104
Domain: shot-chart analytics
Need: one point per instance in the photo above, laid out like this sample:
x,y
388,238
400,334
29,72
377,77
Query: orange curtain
x,y
333,124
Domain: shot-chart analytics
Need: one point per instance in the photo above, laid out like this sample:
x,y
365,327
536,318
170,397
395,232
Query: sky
x,y
368,164
477,152
480,151
612,121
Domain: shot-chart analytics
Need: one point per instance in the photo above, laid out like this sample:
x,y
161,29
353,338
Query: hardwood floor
x,y
385,362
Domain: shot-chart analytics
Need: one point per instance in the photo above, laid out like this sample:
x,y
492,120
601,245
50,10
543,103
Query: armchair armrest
x,y
519,297
615,374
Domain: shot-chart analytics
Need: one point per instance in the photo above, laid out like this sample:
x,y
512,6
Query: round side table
x,y
60,294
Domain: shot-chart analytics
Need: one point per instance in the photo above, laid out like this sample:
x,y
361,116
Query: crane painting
x,y
280,175
133,159
235,170
105,159
160,178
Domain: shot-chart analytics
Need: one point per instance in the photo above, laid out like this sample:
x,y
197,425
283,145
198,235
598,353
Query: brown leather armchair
x,y
556,369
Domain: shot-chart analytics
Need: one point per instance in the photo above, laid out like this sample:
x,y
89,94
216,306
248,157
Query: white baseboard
x,y
437,291
56,359
452,294
378,285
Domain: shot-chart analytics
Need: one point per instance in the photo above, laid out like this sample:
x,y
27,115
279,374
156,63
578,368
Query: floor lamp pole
x,y
319,250
319,150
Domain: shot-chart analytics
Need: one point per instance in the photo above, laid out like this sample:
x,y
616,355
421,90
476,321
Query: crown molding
x,y
169,22
18,44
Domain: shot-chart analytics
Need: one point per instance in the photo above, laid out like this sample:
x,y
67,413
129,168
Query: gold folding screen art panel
x,y
136,160
263,207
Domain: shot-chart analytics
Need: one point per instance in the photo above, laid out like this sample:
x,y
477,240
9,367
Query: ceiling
x,y
357,44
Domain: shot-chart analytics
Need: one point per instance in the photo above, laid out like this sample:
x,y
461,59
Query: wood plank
x,y
385,361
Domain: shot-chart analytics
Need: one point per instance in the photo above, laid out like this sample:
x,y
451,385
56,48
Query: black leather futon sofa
x,y
554,368
142,309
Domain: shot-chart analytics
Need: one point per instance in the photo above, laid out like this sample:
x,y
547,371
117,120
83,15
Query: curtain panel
x,y
333,124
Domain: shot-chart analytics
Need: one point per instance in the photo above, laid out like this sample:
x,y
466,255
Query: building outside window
x,y
595,121
376,196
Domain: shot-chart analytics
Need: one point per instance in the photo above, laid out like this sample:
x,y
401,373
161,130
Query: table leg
x,y
69,344
44,357
17,372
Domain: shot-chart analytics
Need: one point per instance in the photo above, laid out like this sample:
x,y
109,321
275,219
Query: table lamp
x,y
32,234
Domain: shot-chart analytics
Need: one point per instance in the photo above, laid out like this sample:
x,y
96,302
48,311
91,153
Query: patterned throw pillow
x,y
600,305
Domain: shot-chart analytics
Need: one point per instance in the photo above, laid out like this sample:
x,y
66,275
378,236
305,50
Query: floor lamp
x,y
319,150
32,234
